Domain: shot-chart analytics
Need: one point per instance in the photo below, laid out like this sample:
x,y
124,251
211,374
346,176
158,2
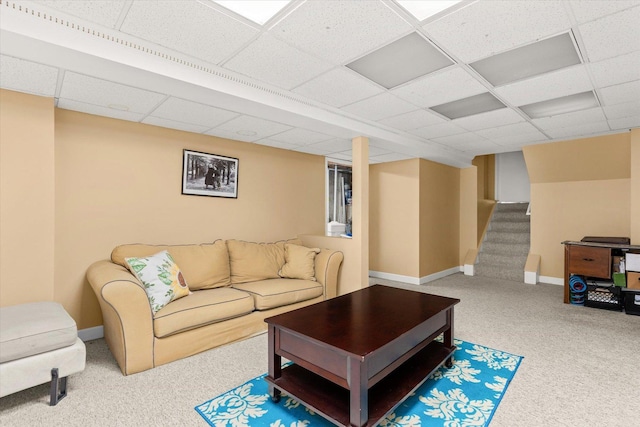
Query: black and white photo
x,y
206,174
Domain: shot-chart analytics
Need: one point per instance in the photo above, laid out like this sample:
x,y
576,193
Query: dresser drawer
x,y
590,261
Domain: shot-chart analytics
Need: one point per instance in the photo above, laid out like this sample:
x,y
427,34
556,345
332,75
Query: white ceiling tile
x,y
520,139
68,104
379,107
172,124
334,146
90,90
485,28
626,92
104,12
346,155
277,144
232,135
580,130
299,137
391,157
588,10
375,151
412,120
310,149
621,69
610,36
192,112
575,118
25,76
619,111
435,131
559,83
340,30
188,26
483,145
461,139
448,85
273,61
507,131
338,87
625,123
501,117
243,128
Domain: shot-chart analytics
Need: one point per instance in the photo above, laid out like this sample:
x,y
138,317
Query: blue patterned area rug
x,y
467,394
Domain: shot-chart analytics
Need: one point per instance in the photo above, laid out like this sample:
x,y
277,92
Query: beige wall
x,y
469,208
578,188
415,217
635,187
27,178
120,182
439,217
395,217
486,176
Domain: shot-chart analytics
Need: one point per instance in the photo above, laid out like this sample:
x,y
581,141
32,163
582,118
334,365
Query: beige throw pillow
x,y
299,262
254,261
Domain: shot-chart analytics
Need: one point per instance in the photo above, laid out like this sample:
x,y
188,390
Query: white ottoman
x,y
38,343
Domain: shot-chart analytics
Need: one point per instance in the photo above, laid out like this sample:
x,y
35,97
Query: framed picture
x,y
209,175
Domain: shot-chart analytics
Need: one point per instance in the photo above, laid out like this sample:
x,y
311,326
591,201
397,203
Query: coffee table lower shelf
x,y
332,401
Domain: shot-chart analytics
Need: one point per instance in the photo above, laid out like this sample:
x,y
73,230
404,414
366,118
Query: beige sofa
x,y
233,285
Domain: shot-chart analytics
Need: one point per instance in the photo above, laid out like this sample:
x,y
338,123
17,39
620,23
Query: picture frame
x,y
205,174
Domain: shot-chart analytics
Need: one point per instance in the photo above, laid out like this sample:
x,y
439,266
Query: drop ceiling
x,y
294,82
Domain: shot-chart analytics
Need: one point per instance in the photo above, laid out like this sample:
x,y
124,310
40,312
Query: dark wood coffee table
x,y
357,356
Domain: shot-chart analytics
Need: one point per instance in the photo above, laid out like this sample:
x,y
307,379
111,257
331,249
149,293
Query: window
x,y
339,199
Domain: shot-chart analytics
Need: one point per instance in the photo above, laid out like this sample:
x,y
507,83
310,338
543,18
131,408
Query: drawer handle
x,y
588,259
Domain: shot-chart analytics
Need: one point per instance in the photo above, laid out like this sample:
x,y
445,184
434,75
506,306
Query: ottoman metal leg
x,y
58,387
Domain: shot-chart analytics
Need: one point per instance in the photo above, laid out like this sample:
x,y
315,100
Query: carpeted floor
x,y
579,367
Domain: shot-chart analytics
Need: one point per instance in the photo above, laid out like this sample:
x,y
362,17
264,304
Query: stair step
x,y
505,248
507,237
522,226
499,272
509,261
509,216
512,207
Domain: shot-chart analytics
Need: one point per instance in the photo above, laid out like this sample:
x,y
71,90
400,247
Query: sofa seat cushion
x,y
201,308
274,293
34,328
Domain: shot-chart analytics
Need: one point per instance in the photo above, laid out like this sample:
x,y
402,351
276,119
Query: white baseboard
x,y
530,277
415,280
551,280
91,333
468,269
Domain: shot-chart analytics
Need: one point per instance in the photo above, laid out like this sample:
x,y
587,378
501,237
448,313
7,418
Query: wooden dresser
x,y
593,260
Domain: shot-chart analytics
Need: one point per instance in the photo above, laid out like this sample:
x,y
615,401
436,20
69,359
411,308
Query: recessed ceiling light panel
x,y
469,106
565,104
258,11
401,61
424,9
527,61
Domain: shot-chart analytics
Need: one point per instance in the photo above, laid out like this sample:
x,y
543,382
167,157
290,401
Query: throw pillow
x,y
299,262
161,278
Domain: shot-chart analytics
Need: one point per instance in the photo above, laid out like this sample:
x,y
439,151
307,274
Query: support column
x,y
360,216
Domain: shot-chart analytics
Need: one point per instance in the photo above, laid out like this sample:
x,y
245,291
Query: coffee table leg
x,y
448,336
275,364
359,392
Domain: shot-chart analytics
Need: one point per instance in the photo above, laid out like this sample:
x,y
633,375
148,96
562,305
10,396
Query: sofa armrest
x,y
327,266
126,313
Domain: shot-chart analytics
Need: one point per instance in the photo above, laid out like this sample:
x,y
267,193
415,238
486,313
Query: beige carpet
x,y
580,366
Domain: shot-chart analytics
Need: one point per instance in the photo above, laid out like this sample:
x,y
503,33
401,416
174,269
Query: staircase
x,y
504,251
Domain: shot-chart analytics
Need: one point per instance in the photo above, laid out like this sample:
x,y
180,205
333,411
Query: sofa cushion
x,y
299,263
162,279
34,328
254,261
274,293
201,308
204,266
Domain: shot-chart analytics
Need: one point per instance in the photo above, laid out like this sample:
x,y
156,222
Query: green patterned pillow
x,y
161,278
